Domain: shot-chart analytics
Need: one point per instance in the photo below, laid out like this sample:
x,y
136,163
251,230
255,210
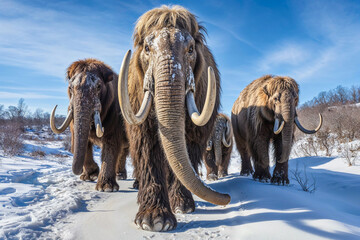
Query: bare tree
x,y
18,112
2,113
355,97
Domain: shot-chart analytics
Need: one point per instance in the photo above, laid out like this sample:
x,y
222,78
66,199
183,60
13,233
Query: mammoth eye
x,y
98,87
191,49
147,49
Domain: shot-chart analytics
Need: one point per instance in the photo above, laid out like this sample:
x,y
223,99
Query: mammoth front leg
x,y
121,173
90,168
280,174
107,176
241,144
259,148
181,199
211,168
223,168
246,168
154,208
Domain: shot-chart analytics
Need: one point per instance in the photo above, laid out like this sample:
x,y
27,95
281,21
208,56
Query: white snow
x,y
40,198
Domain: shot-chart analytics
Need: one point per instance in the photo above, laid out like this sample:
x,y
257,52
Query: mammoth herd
x,y
163,110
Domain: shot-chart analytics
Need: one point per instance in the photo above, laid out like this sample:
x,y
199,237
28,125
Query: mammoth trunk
x,y
81,133
170,109
287,132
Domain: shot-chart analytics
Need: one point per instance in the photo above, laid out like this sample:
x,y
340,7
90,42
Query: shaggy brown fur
x,y
114,142
213,170
253,116
160,192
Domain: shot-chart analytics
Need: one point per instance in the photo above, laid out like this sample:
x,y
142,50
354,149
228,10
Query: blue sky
x,y
315,42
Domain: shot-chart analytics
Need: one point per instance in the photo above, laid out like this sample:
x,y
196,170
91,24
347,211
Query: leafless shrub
x,y
67,143
303,179
38,153
349,153
11,141
61,158
309,147
52,137
326,141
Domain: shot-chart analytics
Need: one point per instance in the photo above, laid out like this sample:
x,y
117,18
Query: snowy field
x,y
40,198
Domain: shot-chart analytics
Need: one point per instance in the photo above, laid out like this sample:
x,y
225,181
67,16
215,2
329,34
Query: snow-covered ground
x,y
40,198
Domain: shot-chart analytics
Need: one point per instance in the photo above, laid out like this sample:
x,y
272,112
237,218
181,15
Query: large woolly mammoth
x,y
94,117
171,75
219,147
264,111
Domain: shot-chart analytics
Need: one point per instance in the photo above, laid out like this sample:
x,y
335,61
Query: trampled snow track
x,y
41,199
257,210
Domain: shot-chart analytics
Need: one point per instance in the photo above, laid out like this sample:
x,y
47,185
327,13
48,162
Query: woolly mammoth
x,y
94,117
219,147
172,72
264,111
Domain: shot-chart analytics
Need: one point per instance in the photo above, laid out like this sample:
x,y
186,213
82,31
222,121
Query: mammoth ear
x,y
70,72
68,75
108,75
200,61
266,91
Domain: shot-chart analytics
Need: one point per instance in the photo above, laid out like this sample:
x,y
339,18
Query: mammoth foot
x,y
222,174
212,177
121,175
262,175
156,220
90,174
136,184
107,185
246,171
182,204
280,174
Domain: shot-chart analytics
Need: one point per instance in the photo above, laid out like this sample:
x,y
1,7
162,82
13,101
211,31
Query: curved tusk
x,y
201,120
63,126
98,125
209,145
228,129
225,142
278,129
304,130
123,96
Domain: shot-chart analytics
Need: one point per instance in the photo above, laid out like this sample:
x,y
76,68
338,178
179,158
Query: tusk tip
x,y
99,131
228,199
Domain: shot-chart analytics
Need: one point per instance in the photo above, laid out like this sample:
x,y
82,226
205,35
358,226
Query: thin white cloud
x,y
334,38
61,90
229,30
27,95
287,54
48,41
319,63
